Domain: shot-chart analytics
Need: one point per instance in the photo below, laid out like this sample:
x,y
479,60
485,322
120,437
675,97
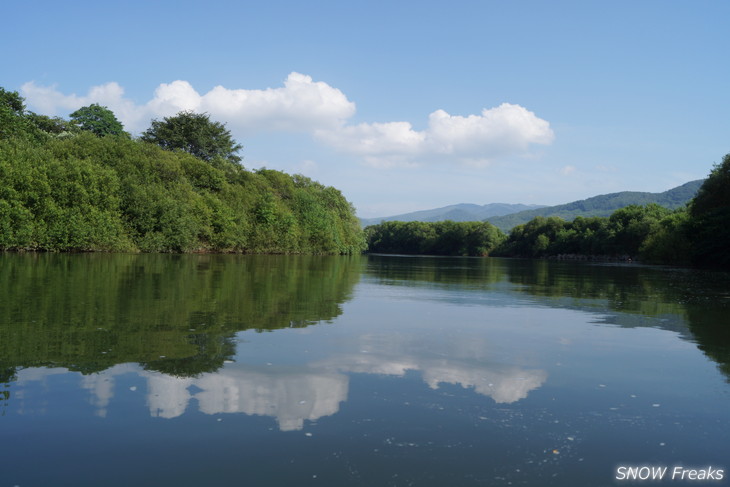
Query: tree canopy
x,y
433,238
710,212
98,120
65,188
12,111
195,134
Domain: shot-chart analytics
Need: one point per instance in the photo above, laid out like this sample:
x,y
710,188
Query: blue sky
x,y
405,105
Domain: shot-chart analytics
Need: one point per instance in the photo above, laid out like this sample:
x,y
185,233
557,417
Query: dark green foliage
x,y
632,225
710,212
433,238
62,190
12,102
714,194
98,120
670,242
55,126
13,120
195,134
624,234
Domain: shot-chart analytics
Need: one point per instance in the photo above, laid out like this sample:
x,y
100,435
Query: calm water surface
x,y
157,370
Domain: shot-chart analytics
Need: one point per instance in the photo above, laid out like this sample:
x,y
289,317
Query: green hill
x,y
602,205
462,212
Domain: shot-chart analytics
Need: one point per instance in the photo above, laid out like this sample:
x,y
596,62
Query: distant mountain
x,y
602,205
463,212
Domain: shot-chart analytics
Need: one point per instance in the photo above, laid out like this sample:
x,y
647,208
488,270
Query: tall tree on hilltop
x,y
99,120
196,134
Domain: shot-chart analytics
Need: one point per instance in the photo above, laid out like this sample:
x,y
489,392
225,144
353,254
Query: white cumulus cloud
x,y
314,107
48,100
474,139
300,105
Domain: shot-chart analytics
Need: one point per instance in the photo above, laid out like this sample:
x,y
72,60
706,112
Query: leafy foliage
x,y
195,134
17,122
13,122
624,234
65,190
433,238
710,212
98,120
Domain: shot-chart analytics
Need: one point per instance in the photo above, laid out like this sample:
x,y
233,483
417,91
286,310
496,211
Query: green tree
x,y
714,194
55,126
12,101
98,120
633,224
710,213
13,122
669,243
196,134
16,121
433,238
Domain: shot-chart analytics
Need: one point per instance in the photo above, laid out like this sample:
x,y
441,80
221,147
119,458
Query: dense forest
x,y
84,184
696,234
434,238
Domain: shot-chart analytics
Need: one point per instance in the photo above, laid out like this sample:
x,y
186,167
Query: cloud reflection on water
x,y
293,394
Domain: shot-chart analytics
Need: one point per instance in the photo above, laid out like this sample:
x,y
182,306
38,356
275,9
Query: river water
x,y
225,370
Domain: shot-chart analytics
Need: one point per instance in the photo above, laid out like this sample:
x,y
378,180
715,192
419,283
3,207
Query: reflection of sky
x,y
289,394
504,384
295,393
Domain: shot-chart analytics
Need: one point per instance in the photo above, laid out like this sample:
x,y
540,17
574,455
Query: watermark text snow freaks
x,y
675,473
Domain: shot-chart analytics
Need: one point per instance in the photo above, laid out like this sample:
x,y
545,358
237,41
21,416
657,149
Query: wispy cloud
x,y
567,170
